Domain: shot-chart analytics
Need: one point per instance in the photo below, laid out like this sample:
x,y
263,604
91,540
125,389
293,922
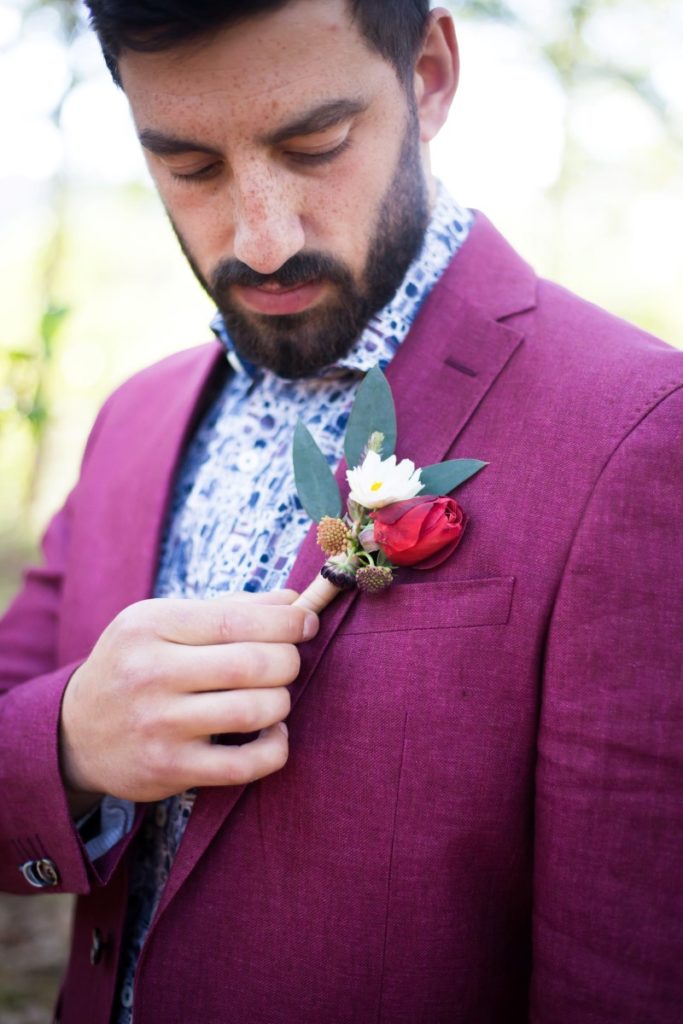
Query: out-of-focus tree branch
x,y
25,370
567,51
560,36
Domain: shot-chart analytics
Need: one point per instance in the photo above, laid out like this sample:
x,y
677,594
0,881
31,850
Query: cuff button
x,y
41,874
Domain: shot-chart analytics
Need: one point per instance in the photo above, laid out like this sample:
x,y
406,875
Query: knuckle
x,y
239,773
271,758
130,667
170,618
257,759
165,720
154,723
296,618
173,768
131,621
255,664
159,764
136,668
124,621
228,623
145,723
248,713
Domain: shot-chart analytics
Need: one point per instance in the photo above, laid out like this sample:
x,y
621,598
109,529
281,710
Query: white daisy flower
x,y
379,482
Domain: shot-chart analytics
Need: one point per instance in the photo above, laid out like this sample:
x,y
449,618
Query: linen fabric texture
x,y
480,816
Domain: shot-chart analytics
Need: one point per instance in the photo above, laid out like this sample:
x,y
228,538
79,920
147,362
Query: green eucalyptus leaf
x,y
373,412
444,477
317,489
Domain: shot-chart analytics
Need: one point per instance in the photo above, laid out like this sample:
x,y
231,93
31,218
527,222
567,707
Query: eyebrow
x,y
319,119
164,144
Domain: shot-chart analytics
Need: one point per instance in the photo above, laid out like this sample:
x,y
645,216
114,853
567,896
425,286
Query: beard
x,y
300,344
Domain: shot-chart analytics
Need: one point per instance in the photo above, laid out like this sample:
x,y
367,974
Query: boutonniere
x,y
396,514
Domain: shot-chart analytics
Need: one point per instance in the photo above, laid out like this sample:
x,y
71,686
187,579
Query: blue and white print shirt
x,y
235,522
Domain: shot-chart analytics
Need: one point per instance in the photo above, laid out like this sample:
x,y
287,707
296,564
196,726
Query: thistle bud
x,y
341,573
372,579
332,536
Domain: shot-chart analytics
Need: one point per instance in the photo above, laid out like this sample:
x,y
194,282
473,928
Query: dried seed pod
x,y
372,579
332,536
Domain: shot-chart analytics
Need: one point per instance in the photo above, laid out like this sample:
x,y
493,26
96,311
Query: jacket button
x,y
41,874
97,947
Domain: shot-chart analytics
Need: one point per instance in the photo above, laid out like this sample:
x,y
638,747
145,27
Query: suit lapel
x,y
127,496
439,377
153,457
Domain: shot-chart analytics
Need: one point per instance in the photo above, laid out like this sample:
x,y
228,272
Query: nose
x,y
268,228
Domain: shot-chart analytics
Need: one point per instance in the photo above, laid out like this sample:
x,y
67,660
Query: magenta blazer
x,y
479,820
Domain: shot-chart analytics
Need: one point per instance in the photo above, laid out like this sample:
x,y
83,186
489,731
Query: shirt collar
x,y
446,232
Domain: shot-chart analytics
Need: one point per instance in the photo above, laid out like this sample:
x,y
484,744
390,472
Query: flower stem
x,y
317,595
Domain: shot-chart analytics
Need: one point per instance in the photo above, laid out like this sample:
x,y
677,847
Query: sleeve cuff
x,y
116,819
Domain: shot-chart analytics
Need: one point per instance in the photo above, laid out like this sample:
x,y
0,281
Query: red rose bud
x,y
419,530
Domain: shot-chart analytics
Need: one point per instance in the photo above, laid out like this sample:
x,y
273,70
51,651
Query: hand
x,y
166,675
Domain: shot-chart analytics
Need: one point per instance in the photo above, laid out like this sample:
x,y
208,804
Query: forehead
x,y
257,71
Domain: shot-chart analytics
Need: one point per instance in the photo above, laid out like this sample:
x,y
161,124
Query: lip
x,y
279,301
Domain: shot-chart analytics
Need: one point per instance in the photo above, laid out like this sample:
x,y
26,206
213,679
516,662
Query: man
x,y
474,816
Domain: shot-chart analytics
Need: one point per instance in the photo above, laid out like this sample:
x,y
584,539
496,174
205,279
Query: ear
x,y
437,71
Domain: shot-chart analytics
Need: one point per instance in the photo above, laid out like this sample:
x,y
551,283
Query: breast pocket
x,y
440,604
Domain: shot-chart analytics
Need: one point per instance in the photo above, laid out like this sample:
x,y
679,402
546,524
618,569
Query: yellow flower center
x,y
376,486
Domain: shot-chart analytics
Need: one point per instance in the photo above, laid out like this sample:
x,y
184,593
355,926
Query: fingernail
x,y
283,727
311,624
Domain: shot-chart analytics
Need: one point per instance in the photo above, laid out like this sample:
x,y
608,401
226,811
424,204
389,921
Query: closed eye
x,y
314,159
324,157
203,174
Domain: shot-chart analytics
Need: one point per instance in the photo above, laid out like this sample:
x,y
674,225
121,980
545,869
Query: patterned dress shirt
x,y
235,522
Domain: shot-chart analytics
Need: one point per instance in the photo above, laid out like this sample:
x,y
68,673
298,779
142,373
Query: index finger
x,y
225,620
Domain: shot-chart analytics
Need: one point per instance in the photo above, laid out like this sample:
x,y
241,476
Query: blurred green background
x,y
567,131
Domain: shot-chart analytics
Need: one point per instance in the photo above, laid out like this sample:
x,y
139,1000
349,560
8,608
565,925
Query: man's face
x,y
287,155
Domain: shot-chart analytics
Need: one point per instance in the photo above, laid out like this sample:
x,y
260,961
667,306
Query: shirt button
x,y
41,874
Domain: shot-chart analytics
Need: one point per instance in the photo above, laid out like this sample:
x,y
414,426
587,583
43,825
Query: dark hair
x,y
394,28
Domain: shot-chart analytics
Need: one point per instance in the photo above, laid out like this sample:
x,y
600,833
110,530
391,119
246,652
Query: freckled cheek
x,y
205,222
342,212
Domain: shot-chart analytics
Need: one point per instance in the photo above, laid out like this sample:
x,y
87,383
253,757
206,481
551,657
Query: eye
x,y
326,156
202,174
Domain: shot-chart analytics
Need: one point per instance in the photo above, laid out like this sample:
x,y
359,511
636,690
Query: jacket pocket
x,y
441,604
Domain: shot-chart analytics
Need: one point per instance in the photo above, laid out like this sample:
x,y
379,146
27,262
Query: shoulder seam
x,y
644,410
